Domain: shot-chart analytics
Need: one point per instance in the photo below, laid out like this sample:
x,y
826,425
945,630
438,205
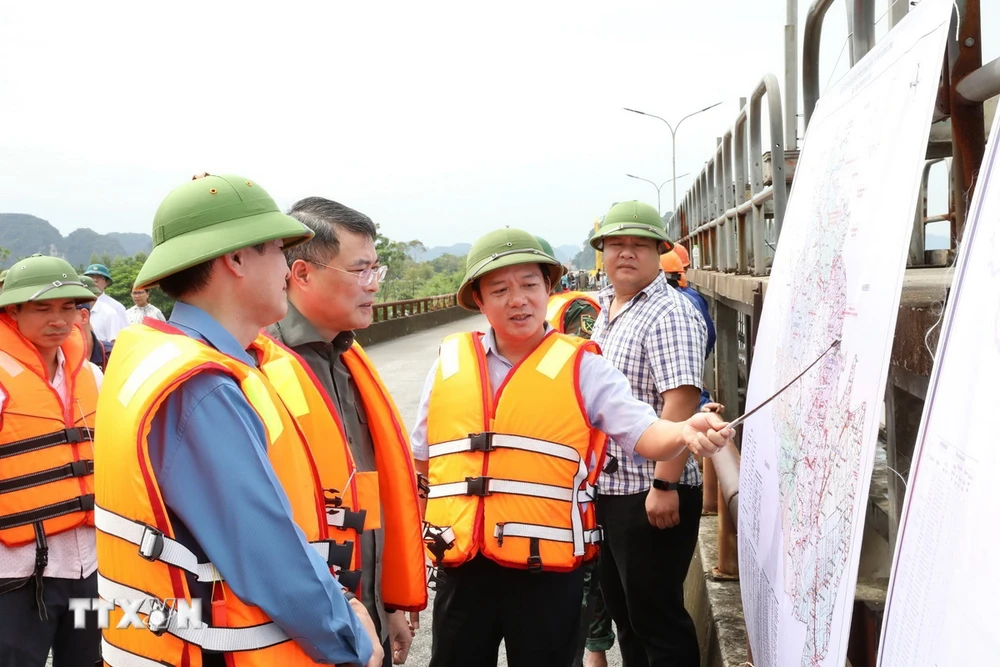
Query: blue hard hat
x,y
99,270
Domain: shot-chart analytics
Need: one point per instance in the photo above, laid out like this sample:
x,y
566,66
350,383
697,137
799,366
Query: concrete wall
x,y
715,606
403,326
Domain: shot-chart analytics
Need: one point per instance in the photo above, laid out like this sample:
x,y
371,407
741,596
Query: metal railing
x,y
391,310
714,213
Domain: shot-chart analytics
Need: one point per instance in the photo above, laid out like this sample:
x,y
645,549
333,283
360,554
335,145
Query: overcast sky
x,y
439,120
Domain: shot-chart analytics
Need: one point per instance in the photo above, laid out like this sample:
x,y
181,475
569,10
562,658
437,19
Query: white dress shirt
x,y
107,318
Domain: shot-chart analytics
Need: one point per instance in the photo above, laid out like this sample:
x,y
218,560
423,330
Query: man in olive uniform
x,y
569,312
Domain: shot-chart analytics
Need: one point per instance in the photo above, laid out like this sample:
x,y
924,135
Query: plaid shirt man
x,y
658,341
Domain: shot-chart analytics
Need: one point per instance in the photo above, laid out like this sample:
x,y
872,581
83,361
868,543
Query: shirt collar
x,y
490,341
296,330
658,284
198,324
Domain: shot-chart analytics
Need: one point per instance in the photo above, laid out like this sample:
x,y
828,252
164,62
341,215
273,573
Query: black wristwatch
x,y
662,485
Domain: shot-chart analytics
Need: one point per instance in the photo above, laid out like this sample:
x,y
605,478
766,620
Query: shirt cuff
x,y
634,435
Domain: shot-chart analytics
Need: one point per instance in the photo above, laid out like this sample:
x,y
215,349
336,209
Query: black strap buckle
x,y
478,486
87,501
481,442
352,520
81,468
436,541
534,557
423,485
349,579
73,435
151,544
340,555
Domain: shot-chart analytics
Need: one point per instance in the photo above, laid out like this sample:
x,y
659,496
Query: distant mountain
x,y
457,249
566,253
936,241
26,235
133,242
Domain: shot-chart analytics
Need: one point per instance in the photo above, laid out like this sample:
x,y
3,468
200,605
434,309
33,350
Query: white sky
x,y
439,120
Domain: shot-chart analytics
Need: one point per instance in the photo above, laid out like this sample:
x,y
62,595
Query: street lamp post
x,y
673,138
653,183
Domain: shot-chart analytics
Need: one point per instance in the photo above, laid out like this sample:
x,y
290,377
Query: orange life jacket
x,y
46,448
138,555
514,476
385,498
560,303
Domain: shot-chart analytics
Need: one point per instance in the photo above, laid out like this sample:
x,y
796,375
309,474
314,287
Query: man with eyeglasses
x,y
331,291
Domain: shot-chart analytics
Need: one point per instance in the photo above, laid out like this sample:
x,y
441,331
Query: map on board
x,y
941,607
837,275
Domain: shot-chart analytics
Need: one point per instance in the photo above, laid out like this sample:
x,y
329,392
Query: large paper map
x,y
942,603
837,275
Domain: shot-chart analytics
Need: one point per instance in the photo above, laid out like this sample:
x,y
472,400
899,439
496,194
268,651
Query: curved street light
x,y
653,183
673,137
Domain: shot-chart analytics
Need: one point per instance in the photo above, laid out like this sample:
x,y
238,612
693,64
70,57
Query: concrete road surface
x,y
403,365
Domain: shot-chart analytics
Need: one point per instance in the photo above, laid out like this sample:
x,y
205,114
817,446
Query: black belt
x,y
66,436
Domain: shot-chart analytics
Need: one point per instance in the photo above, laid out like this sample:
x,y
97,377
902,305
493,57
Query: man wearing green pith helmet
x,y
204,486
651,511
511,431
48,398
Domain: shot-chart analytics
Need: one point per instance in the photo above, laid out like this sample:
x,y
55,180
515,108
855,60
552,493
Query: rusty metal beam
x,y
965,56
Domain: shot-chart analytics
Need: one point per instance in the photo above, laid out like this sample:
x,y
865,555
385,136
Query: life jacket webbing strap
x,y
489,441
83,503
155,546
117,657
74,469
485,486
66,436
222,640
549,533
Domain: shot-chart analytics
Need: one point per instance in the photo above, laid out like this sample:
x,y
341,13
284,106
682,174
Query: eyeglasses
x,y
365,276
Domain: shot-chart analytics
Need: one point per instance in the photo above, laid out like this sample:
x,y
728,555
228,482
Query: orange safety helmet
x,y
671,263
682,252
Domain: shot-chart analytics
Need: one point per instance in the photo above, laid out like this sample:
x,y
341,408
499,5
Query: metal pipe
x,y
791,74
709,489
727,470
740,158
812,35
981,84
861,25
768,86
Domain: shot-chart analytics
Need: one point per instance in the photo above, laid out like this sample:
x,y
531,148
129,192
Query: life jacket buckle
x,y
481,442
478,486
81,468
158,619
73,435
151,544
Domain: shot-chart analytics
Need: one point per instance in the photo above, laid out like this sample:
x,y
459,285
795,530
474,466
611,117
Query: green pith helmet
x,y
632,218
546,246
91,285
40,278
500,248
99,270
3,276
208,217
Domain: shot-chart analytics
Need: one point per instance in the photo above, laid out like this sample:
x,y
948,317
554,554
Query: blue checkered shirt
x,y
658,341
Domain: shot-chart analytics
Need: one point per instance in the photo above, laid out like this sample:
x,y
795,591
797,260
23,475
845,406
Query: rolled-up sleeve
x,y
610,405
209,452
418,436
